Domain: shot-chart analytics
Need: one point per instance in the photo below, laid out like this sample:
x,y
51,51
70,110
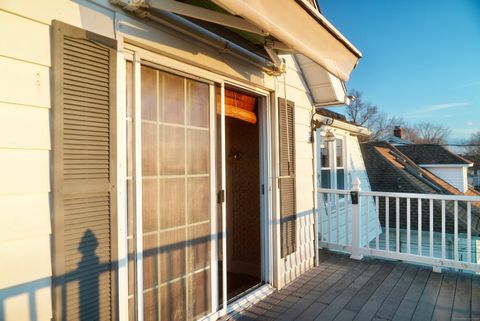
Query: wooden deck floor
x,y
343,289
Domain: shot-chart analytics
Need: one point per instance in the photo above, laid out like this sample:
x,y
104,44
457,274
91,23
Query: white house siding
x,y
24,168
455,176
355,167
25,230
303,258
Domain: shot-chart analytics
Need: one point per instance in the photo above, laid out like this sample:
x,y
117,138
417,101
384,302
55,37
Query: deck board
x,y
463,295
371,289
362,296
476,297
368,311
428,299
332,310
390,306
444,304
410,300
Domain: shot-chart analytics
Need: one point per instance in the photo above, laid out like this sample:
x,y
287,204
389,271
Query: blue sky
x,y
421,59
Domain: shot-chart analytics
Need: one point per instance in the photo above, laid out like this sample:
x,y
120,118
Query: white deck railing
x,y
431,229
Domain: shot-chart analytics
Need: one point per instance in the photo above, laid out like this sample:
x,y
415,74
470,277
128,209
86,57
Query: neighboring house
x,y
435,158
473,174
438,160
125,130
339,161
391,170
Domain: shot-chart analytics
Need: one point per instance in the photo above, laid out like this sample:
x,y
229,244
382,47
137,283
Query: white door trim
x,y
139,55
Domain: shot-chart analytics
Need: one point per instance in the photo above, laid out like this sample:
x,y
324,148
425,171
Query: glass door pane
x,y
176,213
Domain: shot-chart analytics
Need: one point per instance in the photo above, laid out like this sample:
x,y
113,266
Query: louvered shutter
x,y
84,204
288,212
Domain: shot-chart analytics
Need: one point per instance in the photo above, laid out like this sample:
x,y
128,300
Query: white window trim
x,y
332,159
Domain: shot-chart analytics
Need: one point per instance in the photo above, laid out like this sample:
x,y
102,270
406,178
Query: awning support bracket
x,y
279,63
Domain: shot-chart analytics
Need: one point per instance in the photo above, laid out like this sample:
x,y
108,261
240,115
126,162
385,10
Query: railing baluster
x,y
387,223
431,228
320,220
419,227
455,235
377,221
337,217
346,218
368,222
408,225
329,214
397,224
469,232
443,229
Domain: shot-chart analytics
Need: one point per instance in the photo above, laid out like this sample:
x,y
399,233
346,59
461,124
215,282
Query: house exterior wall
x,y
473,177
25,254
355,168
455,176
25,142
303,259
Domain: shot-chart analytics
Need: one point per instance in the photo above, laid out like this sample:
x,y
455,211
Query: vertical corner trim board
x,y
84,174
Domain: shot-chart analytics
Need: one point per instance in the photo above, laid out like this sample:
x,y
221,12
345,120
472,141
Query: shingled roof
x,y
431,154
390,170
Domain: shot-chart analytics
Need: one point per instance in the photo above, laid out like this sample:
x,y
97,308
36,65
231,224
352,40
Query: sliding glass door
x,y
169,178
179,225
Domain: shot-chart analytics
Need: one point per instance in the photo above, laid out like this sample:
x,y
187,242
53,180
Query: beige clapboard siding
x,y
83,14
25,227
24,83
303,116
24,171
16,308
303,258
27,268
28,261
23,216
24,127
302,133
29,42
305,164
302,99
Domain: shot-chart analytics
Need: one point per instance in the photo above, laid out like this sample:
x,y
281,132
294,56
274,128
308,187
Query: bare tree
x,y
474,142
382,125
368,115
428,133
359,111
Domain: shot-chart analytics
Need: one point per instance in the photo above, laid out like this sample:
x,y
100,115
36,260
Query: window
x,y
332,165
340,170
325,172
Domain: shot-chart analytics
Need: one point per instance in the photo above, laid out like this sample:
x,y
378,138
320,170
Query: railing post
x,y
356,224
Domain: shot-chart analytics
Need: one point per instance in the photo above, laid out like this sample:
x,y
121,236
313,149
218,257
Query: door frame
x,y
137,54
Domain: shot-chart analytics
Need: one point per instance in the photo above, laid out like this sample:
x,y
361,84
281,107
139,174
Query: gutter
x,y
342,125
445,165
188,28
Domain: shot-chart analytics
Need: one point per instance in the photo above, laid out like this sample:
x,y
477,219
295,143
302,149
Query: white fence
x,y
434,229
